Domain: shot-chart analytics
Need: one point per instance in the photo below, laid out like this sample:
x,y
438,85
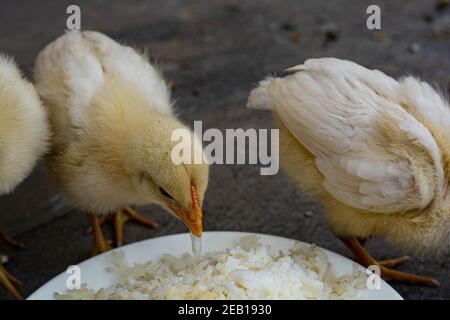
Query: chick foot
x,y
10,283
119,219
386,266
127,214
99,245
6,279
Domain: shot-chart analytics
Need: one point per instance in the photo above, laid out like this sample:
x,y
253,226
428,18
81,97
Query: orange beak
x,y
193,218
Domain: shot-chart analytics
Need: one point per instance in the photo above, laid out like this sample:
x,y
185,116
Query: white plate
x,y
94,275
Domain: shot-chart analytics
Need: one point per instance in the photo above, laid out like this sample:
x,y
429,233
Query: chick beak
x,y
193,218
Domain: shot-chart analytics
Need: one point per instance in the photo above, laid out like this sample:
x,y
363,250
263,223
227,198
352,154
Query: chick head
x,y
159,178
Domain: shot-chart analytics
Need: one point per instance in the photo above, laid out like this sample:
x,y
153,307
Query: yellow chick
x,y
24,136
375,151
112,118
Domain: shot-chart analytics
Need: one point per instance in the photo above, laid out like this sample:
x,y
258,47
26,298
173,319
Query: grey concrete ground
x,y
214,52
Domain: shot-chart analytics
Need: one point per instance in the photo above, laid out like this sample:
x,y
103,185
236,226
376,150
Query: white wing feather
x,y
338,110
427,103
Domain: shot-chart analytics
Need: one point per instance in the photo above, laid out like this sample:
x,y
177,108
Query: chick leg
x,y
387,273
101,220
124,215
10,241
99,243
9,282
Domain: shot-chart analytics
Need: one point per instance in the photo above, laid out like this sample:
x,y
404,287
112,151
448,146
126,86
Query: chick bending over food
x,y
112,118
374,150
24,136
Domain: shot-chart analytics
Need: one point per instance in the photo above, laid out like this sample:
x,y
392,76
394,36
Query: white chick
x,y
374,150
24,136
112,118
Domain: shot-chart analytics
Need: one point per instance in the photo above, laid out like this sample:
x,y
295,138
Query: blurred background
x,y
213,53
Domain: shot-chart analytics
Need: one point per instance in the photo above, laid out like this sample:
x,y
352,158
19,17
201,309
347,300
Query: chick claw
x,y
362,257
9,282
100,245
392,263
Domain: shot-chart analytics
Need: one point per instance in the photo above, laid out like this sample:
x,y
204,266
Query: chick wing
x,y
372,152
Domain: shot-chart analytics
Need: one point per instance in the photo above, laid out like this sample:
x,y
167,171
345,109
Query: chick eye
x,y
165,193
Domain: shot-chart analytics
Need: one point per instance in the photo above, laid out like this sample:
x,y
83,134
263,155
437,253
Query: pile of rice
x,y
248,271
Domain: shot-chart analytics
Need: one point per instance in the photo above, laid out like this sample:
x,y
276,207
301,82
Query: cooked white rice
x,y
248,271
